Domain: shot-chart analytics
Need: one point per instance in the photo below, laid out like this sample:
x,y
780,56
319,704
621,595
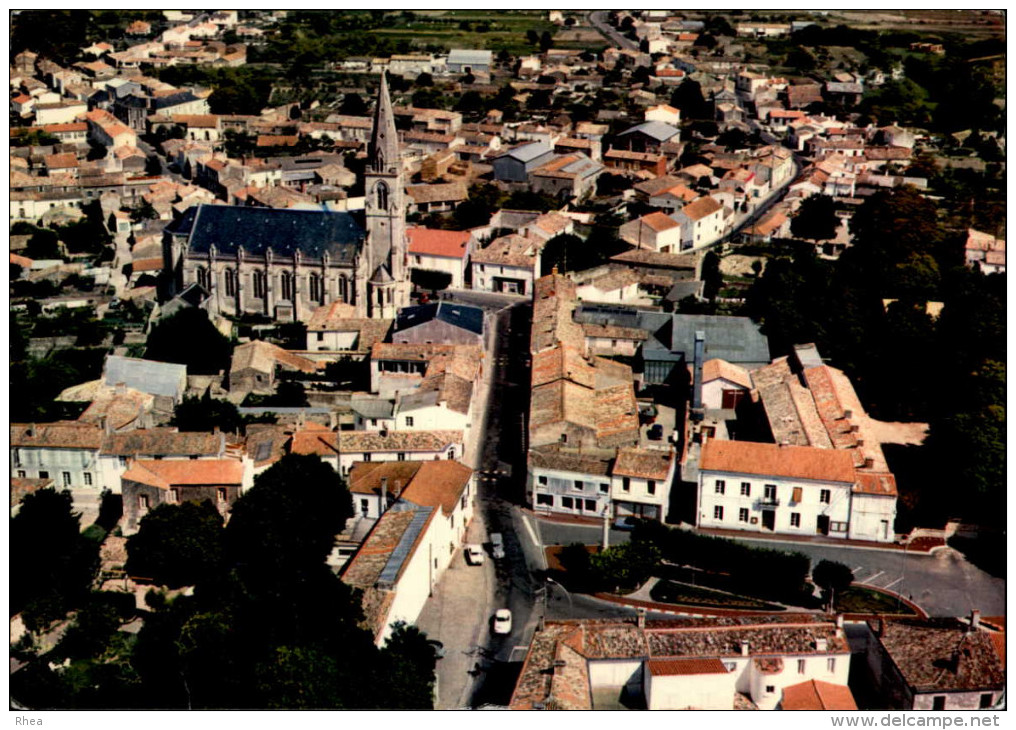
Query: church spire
x,y
384,143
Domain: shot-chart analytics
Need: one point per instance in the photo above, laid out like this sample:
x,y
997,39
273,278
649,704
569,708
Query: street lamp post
x,y
903,574
571,606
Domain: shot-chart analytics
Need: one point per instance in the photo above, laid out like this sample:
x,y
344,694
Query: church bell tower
x,y
384,188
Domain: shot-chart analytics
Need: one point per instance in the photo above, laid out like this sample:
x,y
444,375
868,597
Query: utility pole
x,y
606,528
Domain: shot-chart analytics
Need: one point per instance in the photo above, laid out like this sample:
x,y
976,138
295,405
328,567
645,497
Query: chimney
x,y
839,621
975,619
848,414
869,463
640,617
821,644
384,495
860,443
744,648
696,398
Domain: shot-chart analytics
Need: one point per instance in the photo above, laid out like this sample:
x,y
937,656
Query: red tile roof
x,y
794,462
166,473
660,222
816,695
431,242
438,483
674,667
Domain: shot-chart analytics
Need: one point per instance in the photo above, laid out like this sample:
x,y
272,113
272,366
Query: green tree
x,y
625,566
816,219
688,98
55,570
289,519
408,661
832,577
354,105
206,413
712,278
177,545
424,79
189,338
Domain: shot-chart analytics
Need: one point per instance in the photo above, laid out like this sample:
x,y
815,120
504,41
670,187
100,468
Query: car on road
x,y
502,621
474,555
496,545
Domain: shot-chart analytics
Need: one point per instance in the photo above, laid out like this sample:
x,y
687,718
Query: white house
x,y
715,664
724,384
342,449
640,483
758,487
569,482
65,451
120,449
444,251
509,265
663,113
656,231
429,517
701,221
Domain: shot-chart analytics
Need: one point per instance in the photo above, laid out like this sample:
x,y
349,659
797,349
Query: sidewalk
x,y
918,546
457,614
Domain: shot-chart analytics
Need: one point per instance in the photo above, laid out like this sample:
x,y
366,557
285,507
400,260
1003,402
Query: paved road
x,y
598,19
943,583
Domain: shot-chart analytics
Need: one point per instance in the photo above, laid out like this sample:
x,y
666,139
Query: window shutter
x,y
797,494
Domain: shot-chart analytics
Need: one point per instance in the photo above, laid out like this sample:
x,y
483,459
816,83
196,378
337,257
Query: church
x,y
285,263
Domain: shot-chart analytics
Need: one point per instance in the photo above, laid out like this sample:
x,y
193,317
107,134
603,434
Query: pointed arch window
x,y
343,289
381,196
203,279
286,281
229,282
316,290
259,285
379,158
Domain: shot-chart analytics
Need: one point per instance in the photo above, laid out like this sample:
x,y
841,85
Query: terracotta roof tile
x,y
643,464
433,242
675,667
166,473
817,695
794,462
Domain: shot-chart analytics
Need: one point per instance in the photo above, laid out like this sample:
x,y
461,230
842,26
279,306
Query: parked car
x,y
496,545
655,432
474,554
502,621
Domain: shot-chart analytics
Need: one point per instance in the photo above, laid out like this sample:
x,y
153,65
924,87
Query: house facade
x,y
149,483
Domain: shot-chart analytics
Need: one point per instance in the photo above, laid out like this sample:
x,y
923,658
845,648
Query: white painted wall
x,y
732,501
872,517
692,691
429,262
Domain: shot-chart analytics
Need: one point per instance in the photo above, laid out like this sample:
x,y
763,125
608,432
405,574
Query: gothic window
x,y
381,195
230,282
259,284
343,289
379,160
315,287
286,280
203,277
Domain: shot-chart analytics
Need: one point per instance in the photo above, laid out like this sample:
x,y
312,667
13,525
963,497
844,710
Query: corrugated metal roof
x,y
404,549
467,56
657,130
148,376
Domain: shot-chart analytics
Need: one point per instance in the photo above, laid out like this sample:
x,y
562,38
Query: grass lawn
x,y
669,592
864,600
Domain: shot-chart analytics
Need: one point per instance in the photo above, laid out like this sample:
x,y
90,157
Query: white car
x,y
502,621
474,555
496,545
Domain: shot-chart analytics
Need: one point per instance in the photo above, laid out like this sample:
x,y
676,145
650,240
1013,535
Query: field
x,y
493,30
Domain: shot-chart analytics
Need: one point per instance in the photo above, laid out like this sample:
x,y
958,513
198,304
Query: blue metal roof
x,y
402,551
460,315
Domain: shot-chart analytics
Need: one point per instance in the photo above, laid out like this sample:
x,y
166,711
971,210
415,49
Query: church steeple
x,y
387,271
384,142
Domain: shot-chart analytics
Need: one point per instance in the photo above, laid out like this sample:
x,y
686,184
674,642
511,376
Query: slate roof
x,y
458,315
284,231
